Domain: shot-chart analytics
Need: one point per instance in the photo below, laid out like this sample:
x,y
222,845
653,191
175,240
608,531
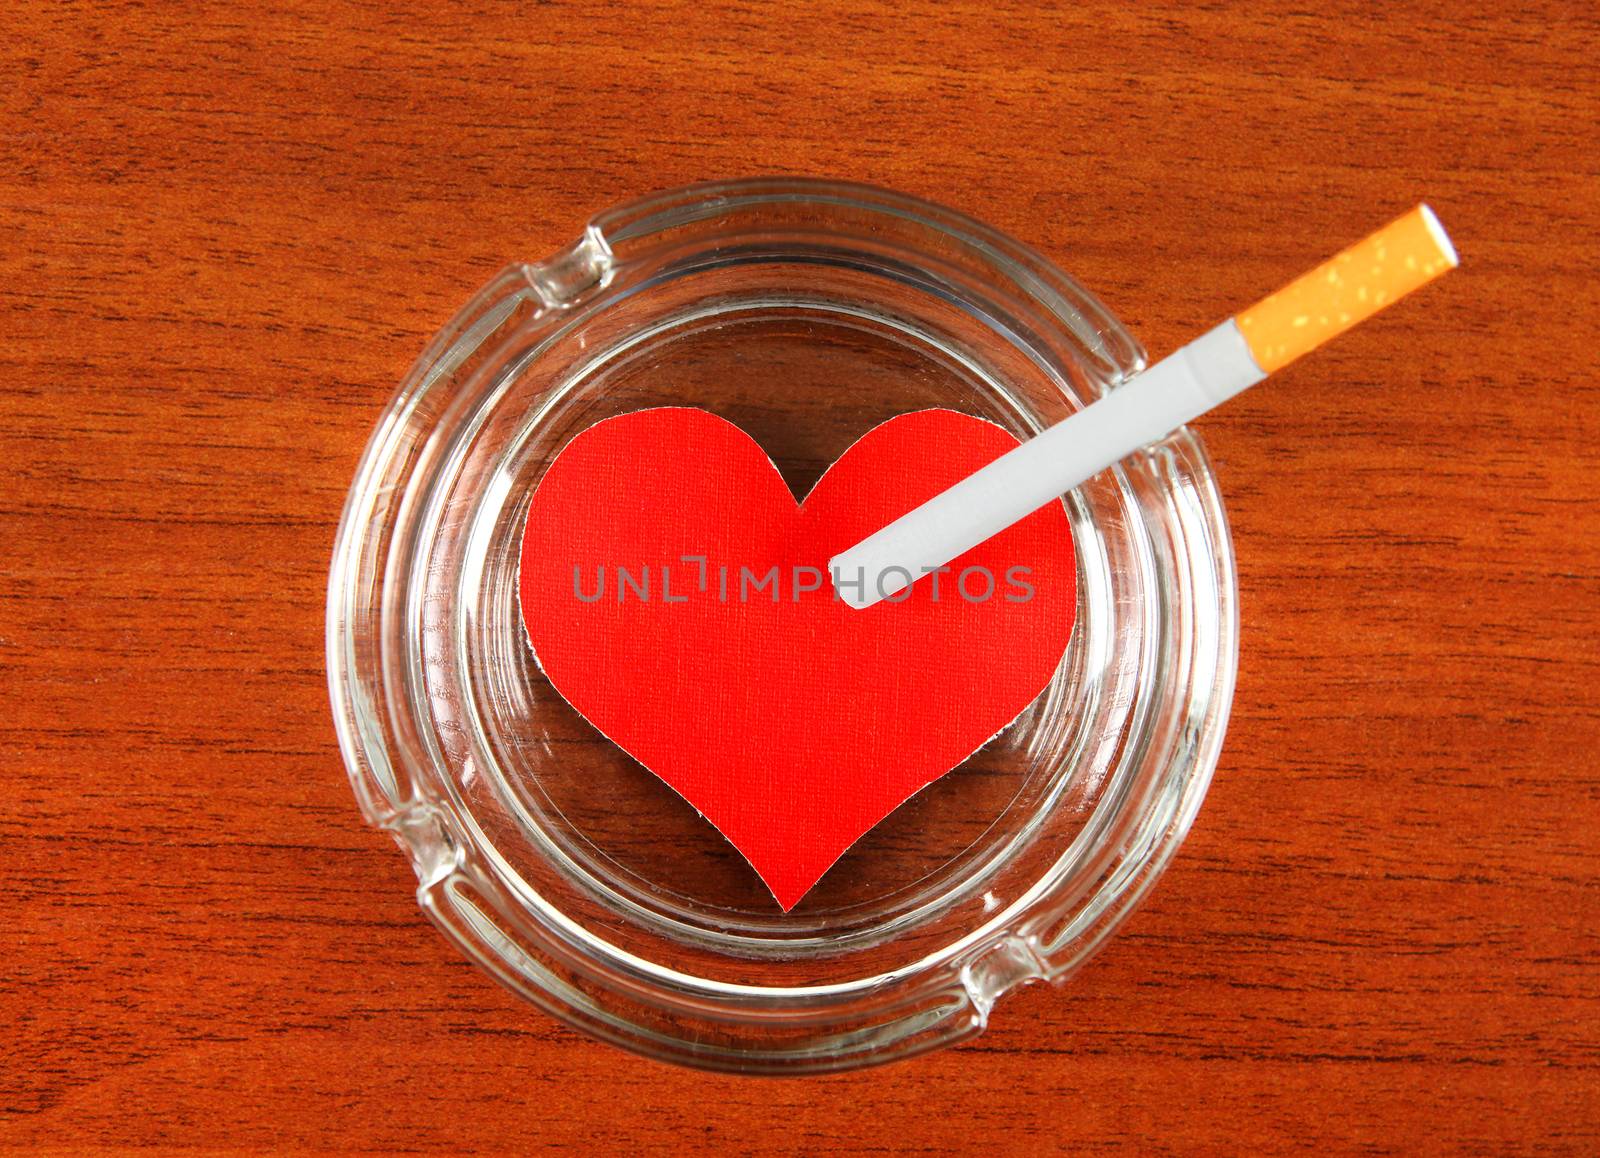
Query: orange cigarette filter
x,y
1347,289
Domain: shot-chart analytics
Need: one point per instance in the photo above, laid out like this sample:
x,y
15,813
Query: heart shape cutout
x,y
791,721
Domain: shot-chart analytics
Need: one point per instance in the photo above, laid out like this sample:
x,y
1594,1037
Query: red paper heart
x,y
793,726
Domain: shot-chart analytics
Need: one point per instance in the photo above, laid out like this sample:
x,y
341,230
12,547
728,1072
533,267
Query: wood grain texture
x,y
226,231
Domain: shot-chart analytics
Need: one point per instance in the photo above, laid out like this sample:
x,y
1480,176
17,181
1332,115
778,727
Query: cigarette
x,y
1340,293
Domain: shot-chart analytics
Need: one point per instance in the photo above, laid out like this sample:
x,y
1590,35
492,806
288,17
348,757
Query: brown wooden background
x,y
225,231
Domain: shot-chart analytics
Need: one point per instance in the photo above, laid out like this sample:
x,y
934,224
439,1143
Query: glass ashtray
x,y
805,312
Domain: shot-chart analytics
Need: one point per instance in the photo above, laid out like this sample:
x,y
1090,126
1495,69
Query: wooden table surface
x,y
225,234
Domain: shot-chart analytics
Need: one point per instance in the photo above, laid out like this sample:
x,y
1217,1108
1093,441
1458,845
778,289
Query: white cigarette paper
x,y
1179,388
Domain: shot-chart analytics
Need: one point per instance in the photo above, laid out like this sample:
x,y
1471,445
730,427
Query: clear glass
x,y
806,312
